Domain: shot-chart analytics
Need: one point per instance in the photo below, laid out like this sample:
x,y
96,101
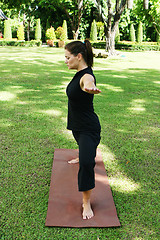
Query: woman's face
x,y
71,60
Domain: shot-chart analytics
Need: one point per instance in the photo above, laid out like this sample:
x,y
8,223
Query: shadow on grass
x,y
34,111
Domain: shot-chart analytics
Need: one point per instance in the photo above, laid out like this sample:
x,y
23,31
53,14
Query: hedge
x,y
144,46
132,46
32,43
124,45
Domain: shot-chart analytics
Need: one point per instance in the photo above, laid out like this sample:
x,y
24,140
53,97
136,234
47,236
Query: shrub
x,y
21,43
117,37
158,38
140,33
124,45
50,34
7,30
132,35
20,32
38,34
93,33
60,33
65,30
100,30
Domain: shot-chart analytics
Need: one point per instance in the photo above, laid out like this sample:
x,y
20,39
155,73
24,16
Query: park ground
x,y
33,109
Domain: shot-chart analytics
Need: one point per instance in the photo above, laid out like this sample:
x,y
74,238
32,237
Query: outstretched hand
x,y
92,90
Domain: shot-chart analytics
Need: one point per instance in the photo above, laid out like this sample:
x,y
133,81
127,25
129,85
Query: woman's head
x,y
84,48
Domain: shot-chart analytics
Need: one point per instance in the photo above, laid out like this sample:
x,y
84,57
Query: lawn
x,y
33,110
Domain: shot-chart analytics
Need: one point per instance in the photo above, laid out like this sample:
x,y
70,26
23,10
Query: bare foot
x,y
76,160
87,211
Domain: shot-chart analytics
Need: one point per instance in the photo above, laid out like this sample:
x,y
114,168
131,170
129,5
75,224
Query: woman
x,y
82,119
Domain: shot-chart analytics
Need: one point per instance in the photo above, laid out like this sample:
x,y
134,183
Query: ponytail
x,y
84,48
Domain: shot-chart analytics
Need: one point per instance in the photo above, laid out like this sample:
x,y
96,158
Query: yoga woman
x,y
82,119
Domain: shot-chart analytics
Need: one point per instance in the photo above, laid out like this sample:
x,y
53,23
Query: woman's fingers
x,y
93,90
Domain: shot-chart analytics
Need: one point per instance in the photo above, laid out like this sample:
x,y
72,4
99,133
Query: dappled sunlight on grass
x,y
7,96
137,106
5,122
123,184
109,158
156,82
111,87
120,76
51,112
120,182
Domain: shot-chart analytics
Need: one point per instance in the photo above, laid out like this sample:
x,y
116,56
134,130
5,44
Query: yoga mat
x,y
65,201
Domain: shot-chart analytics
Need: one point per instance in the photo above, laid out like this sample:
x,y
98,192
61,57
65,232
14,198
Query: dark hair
x,y
84,48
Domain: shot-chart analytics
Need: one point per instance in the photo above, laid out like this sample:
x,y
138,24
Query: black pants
x,y
87,142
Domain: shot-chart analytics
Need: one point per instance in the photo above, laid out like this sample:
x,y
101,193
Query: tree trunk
x,y
28,30
110,40
75,22
80,12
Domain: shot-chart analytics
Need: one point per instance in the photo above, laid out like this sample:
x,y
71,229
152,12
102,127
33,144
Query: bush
x,y
38,34
132,36
100,30
65,30
132,46
7,30
93,33
50,34
158,38
20,32
99,44
21,43
60,33
117,37
140,33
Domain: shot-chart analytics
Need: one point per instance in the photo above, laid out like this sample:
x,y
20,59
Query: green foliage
x,y
133,46
117,37
145,46
7,30
21,43
158,37
140,33
38,30
93,33
65,30
60,33
50,34
20,32
100,30
132,33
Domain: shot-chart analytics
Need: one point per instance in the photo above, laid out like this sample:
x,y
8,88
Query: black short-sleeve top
x,y
81,115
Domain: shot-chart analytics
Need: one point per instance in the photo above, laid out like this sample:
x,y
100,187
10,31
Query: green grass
x,y
33,109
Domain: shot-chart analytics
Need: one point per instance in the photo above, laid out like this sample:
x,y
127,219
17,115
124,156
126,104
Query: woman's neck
x,y
82,66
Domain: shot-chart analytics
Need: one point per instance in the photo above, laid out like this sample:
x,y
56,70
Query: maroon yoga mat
x,y
65,201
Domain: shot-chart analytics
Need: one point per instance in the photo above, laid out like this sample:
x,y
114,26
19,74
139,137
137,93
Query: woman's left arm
x,y
87,84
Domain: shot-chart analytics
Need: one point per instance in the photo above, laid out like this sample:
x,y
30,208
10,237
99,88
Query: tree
x,y
154,13
132,33
93,33
100,30
65,29
110,17
7,30
73,11
140,33
111,12
38,30
20,32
